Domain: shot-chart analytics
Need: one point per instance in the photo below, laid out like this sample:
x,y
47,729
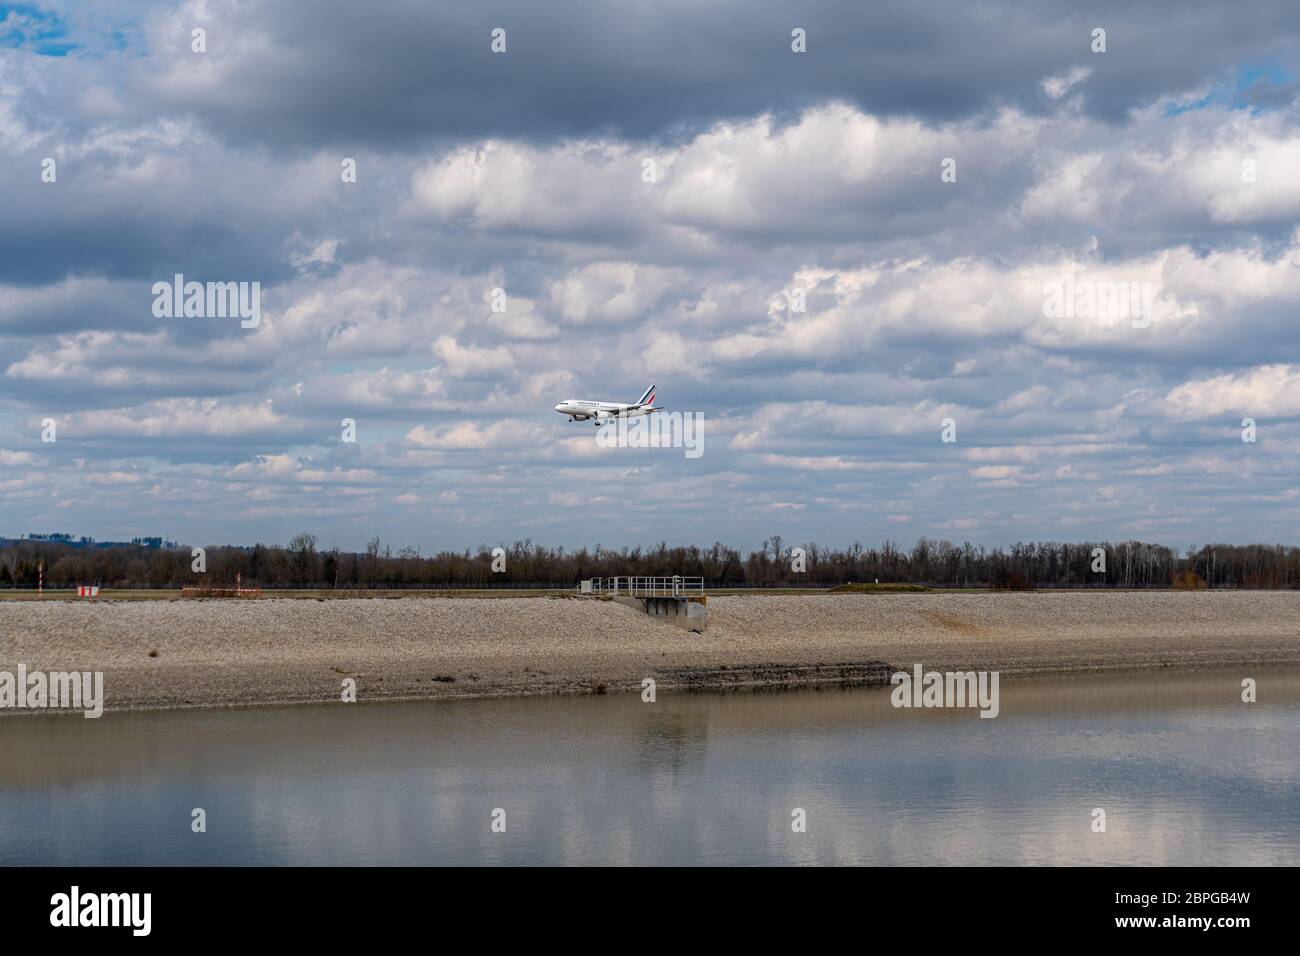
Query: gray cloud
x,y
775,173
408,73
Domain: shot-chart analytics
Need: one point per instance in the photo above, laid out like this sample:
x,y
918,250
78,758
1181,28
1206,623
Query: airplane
x,y
580,410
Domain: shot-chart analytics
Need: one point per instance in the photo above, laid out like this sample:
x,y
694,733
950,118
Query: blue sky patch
x,y
1258,87
26,27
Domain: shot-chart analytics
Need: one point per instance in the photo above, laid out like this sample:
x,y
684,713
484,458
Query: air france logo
x,y
134,910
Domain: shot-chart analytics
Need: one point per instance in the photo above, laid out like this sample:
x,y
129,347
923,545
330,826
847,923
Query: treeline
x,y
303,564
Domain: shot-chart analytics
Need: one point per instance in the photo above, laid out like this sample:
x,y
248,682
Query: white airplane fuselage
x,y
581,410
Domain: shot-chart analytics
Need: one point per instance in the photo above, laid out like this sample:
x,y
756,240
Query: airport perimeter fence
x,y
253,583
552,586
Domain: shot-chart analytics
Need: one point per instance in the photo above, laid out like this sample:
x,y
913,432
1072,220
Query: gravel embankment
x,y
213,652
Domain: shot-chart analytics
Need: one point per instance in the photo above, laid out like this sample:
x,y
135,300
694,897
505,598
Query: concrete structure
x,y
675,600
691,613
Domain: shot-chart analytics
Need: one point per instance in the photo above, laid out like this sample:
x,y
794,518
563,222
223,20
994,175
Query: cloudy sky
x,y
1167,164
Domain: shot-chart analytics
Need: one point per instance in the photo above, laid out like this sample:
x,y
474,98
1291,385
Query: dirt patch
x,y
950,622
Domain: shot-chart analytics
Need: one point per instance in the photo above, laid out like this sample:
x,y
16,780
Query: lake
x,y
1186,773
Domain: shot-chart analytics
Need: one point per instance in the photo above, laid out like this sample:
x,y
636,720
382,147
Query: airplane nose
x,y
560,407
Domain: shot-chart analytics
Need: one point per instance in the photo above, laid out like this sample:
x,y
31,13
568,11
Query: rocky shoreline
x,y
173,653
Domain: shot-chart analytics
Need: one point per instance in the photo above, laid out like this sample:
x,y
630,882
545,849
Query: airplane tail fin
x,y
648,397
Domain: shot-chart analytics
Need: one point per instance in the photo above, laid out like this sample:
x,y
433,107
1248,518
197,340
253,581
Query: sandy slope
x,y
178,653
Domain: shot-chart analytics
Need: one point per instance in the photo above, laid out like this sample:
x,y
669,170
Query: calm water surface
x,y
1187,774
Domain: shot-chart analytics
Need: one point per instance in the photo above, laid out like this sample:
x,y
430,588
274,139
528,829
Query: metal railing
x,y
674,586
